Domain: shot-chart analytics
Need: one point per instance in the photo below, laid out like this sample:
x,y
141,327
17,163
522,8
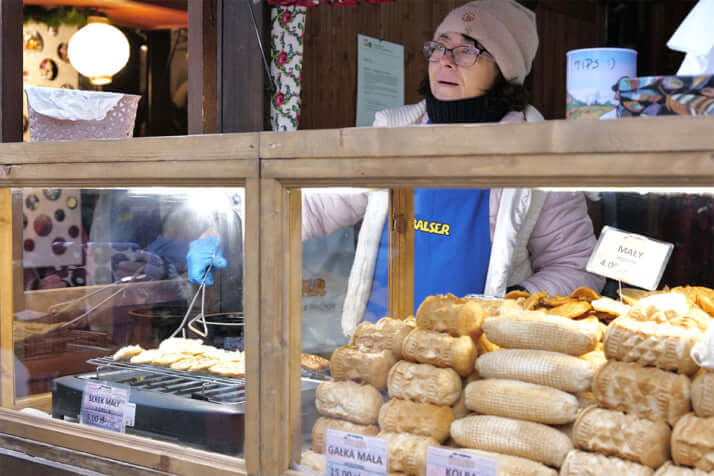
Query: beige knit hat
x,y
504,27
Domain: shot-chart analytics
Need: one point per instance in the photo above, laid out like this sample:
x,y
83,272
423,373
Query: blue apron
x,y
452,247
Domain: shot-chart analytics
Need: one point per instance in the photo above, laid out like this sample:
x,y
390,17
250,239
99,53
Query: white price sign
x,y
355,455
449,462
105,406
631,258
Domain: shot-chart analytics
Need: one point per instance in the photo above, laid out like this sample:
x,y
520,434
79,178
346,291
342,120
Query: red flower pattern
x,y
279,99
282,58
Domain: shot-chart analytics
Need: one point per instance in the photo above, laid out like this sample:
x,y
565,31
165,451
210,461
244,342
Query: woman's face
x,y
450,81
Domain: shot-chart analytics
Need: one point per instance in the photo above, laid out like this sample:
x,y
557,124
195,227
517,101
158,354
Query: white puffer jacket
x,y
540,240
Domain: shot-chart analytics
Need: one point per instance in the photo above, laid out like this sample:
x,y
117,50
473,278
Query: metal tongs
x,y
201,316
63,306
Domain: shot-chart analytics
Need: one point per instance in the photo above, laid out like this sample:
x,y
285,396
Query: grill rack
x,y
210,384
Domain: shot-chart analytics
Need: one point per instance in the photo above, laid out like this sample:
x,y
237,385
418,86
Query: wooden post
x,y
202,71
241,79
11,70
226,73
275,339
10,131
7,304
294,299
401,253
251,306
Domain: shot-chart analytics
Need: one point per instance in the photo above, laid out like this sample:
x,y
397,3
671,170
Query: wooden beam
x,y
204,173
294,317
251,305
570,170
241,86
274,330
11,71
7,304
660,134
202,69
40,401
134,450
56,458
401,253
171,149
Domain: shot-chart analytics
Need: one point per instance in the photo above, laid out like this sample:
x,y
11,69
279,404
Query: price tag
x,y
448,462
104,406
634,259
355,455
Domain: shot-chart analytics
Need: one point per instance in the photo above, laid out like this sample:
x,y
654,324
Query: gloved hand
x,y
199,257
152,264
173,252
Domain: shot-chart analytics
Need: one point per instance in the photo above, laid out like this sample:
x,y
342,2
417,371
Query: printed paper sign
x,y
355,455
104,406
448,462
380,77
631,258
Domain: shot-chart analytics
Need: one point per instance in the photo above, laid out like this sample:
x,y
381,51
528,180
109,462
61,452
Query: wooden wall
x,y
330,61
563,25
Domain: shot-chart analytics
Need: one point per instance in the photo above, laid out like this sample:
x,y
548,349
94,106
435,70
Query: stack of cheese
x,y
527,386
642,391
352,401
425,384
190,355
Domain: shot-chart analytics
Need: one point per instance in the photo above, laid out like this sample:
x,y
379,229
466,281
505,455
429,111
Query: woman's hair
x,y
515,96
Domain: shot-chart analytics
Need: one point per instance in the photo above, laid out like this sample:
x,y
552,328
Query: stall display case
x,y
651,177
81,331
654,168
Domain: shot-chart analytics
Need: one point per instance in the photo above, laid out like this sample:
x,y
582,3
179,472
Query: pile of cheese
x,y
187,354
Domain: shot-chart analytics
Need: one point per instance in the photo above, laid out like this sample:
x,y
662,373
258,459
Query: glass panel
x,y
109,275
479,245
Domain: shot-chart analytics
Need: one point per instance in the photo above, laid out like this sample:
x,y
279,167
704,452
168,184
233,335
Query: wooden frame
x,y
665,151
193,161
673,152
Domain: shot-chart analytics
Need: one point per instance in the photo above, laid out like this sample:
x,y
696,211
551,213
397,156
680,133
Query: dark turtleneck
x,y
479,109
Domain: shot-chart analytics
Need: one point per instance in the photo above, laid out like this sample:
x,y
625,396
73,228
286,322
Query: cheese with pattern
x,y
540,331
693,442
554,369
664,345
582,463
450,314
521,400
526,439
348,400
647,392
386,334
703,394
322,424
350,363
513,465
441,350
423,383
669,469
404,416
613,433
406,452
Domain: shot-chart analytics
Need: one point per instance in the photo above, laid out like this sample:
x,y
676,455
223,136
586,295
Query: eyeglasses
x,y
463,55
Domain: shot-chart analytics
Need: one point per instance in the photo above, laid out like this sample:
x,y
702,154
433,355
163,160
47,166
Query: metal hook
x,y
201,289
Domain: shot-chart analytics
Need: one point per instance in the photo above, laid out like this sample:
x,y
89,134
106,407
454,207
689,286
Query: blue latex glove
x,y
199,257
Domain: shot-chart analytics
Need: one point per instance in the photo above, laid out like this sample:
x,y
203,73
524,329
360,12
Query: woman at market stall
x,y
467,241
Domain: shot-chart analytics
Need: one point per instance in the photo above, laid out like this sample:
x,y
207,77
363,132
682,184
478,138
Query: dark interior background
x,y
330,61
